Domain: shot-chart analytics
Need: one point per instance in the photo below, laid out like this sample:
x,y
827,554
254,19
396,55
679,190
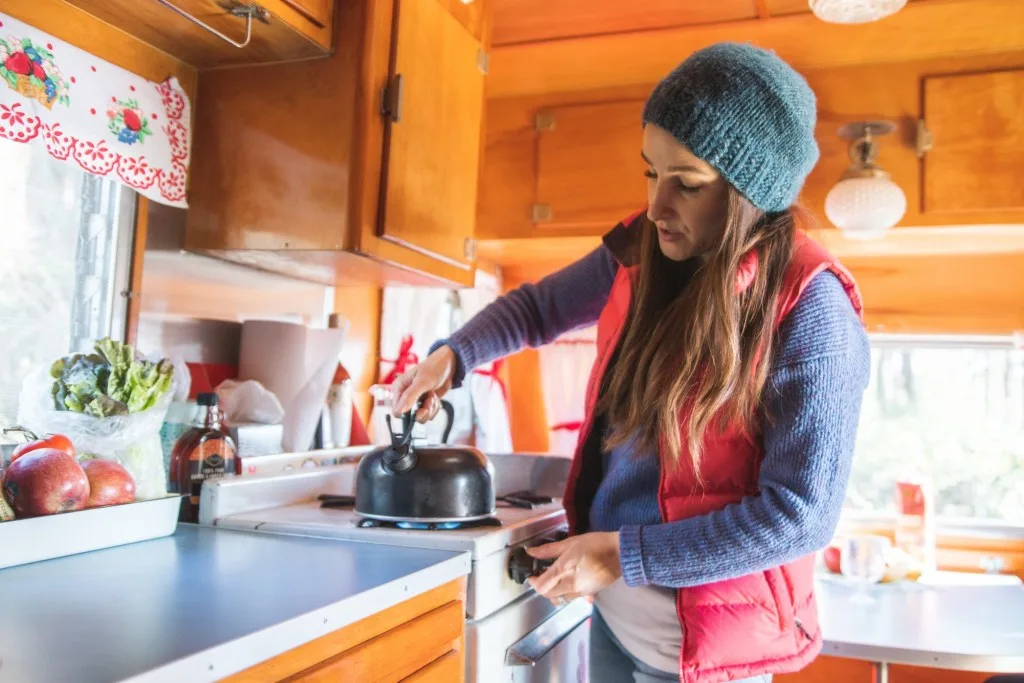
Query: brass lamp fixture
x,y
865,202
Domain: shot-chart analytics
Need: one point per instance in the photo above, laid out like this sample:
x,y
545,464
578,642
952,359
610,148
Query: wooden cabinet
x,y
977,124
359,167
433,133
419,640
589,169
285,30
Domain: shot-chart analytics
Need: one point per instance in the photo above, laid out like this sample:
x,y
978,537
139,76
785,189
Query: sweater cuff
x,y
460,352
631,556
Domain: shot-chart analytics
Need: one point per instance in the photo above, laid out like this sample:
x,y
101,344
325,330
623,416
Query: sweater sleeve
x,y
535,314
814,396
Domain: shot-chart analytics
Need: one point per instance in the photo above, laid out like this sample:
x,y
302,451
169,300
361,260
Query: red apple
x,y
58,441
38,72
45,482
109,483
831,557
131,120
19,63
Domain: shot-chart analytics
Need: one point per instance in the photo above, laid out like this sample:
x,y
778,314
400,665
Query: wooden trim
x,y
88,33
313,653
922,30
135,269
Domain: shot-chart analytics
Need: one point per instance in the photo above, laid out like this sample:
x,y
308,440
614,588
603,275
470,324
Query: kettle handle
x,y
449,412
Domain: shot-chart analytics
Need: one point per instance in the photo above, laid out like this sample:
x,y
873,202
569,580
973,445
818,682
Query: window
x,y
952,407
65,253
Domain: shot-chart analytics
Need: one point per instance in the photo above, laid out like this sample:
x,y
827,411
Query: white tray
x,y
43,538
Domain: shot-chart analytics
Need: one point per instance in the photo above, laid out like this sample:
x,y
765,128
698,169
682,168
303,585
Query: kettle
x,y
405,482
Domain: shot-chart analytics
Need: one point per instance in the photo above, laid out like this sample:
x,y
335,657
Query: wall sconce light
x,y
854,11
865,202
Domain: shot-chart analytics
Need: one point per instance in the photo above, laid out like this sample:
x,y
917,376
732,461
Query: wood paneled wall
x,y
361,307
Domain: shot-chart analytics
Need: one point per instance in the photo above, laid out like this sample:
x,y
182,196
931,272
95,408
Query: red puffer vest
x,y
765,622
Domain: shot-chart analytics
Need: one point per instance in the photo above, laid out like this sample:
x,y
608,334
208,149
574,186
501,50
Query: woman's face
x,y
686,197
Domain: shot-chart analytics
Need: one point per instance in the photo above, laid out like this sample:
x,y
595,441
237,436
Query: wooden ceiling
x,y
527,21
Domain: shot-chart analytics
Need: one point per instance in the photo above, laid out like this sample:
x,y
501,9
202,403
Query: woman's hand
x,y
585,564
430,380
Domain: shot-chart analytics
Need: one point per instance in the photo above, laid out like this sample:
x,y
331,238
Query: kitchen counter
x,y
198,605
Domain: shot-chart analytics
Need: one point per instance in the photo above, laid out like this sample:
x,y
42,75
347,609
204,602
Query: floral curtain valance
x,y
90,113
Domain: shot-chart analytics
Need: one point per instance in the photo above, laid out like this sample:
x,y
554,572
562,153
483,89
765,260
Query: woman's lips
x,y
669,236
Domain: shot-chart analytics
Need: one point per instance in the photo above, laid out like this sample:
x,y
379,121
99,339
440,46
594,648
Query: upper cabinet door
x,y
589,171
433,139
317,11
977,127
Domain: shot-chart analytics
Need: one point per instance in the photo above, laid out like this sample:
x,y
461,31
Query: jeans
x,y
610,663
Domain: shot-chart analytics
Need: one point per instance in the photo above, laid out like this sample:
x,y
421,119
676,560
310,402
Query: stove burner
x,y
367,523
524,499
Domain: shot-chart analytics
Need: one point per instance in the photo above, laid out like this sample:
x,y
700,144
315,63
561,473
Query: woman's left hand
x,y
583,566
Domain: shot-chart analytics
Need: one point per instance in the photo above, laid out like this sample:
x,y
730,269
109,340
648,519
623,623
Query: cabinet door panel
x,y
589,169
978,129
433,149
317,11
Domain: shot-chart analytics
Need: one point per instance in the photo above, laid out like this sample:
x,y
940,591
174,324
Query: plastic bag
x,y
249,402
133,440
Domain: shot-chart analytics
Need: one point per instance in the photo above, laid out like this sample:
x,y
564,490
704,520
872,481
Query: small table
x,y
954,621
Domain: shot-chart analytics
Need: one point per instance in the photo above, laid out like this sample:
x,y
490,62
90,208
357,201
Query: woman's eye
x,y
687,189
650,174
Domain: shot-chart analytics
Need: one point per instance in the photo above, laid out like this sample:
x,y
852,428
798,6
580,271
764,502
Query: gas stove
x,y
507,624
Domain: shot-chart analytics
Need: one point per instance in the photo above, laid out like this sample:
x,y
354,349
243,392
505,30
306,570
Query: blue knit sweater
x,y
814,392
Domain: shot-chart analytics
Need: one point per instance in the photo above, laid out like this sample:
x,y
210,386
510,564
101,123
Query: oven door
x,y
530,641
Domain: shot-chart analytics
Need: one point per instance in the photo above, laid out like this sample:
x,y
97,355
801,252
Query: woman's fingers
x,y
546,583
417,386
429,408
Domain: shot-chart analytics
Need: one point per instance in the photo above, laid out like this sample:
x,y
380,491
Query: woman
x,y
722,409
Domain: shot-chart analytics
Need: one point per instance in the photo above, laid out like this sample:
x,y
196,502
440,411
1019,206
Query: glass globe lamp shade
x,y
865,207
854,11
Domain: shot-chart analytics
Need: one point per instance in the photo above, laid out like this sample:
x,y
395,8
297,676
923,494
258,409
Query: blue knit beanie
x,y
746,113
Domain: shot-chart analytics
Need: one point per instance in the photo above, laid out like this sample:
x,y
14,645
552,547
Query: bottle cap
x,y
207,399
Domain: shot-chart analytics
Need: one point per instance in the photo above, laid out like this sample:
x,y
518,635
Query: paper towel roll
x,y
296,363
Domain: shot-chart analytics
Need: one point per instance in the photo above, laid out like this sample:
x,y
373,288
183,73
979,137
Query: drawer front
x,y
448,669
396,654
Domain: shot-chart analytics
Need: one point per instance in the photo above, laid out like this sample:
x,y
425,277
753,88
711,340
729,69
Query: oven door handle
x,y
543,639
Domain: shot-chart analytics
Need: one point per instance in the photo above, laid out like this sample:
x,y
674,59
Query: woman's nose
x,y
657,207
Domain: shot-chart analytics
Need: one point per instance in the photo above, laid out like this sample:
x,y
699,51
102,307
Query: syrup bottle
x,y
203,452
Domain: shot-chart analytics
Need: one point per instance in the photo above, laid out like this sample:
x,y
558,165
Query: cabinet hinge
x,y
483,61
541,213
469,249
391,99
923,141
544,122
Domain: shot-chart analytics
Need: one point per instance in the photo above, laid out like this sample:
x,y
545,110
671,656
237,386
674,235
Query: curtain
x,y
96,116
412,319
565,368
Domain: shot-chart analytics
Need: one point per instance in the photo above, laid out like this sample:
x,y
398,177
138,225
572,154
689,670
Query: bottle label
x,y
209,460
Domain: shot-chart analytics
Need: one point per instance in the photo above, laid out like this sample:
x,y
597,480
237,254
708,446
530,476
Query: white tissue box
x,y
257,439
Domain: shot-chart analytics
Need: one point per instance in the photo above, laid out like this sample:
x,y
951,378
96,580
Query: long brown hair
x,y
709,345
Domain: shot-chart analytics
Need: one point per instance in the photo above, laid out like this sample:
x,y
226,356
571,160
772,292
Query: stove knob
x,y
521,566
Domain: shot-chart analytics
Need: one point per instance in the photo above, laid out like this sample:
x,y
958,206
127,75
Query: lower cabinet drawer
x,y
448,669
396,654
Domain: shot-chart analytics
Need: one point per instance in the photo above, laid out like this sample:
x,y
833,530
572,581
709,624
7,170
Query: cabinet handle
x,y
469,249
248,12
391,99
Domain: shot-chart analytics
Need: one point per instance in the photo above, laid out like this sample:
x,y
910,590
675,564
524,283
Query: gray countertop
x,y
967,627
199,605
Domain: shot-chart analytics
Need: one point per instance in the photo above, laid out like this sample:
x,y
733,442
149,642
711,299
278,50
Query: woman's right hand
x,y
430,380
